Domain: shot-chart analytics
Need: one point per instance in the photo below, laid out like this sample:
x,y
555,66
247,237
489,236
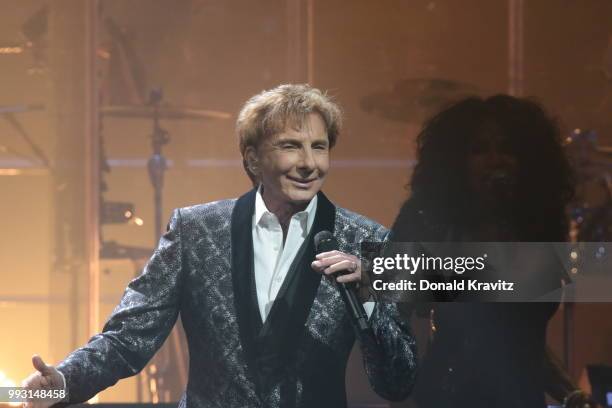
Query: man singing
x,y
263,329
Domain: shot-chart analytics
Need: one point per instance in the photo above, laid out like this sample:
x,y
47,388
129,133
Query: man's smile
x,y
305,182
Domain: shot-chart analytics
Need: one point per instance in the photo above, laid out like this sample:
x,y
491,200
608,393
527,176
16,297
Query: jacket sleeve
x,y
137,327
390,355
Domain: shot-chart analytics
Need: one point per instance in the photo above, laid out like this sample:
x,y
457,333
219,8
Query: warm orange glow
x,y
102,53
10,172
7,382
11,50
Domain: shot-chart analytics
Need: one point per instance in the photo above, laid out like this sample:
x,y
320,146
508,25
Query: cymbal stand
x,y
159,370
157,162
156,167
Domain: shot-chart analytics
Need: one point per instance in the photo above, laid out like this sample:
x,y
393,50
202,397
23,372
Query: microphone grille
x,y
325,241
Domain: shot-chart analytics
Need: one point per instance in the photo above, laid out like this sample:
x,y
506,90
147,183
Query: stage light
x,y
115,212
137,221
11,50
7,382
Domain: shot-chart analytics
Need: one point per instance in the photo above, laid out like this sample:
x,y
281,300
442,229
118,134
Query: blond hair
x,y
271,111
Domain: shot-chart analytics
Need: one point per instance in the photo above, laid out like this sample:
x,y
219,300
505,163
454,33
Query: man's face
x,y
292,165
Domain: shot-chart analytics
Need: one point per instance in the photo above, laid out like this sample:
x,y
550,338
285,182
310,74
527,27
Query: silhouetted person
x,y
489,170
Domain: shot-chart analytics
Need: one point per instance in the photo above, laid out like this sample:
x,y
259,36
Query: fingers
x,y
44,382
40,365
337,262
347,265
46,375
351,277
32,381
328,254
44,378
330,263
320,264
41,404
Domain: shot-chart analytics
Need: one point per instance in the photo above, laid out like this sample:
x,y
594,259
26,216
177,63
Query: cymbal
x,y
164,112
113,250
413,100
581,147
21,108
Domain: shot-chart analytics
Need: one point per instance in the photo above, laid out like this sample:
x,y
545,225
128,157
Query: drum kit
x,y
170,362
414,100
171,358
591,210
9,114
124,81
156,112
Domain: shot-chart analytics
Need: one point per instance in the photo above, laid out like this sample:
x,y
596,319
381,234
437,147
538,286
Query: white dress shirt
x,y
272,259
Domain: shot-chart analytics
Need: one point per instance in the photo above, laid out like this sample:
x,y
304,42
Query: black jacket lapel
x,y
243,277
281,334
302,293
285,322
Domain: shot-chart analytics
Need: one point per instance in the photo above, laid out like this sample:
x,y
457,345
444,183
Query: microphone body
x,y
325,242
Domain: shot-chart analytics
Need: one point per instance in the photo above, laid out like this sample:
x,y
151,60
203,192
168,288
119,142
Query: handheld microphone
x,y
324,242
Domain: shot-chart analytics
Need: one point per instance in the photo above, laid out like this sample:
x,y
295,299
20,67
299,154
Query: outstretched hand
x,y
46,377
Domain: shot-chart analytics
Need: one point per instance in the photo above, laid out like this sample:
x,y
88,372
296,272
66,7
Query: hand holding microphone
x,y
332,262
345,267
